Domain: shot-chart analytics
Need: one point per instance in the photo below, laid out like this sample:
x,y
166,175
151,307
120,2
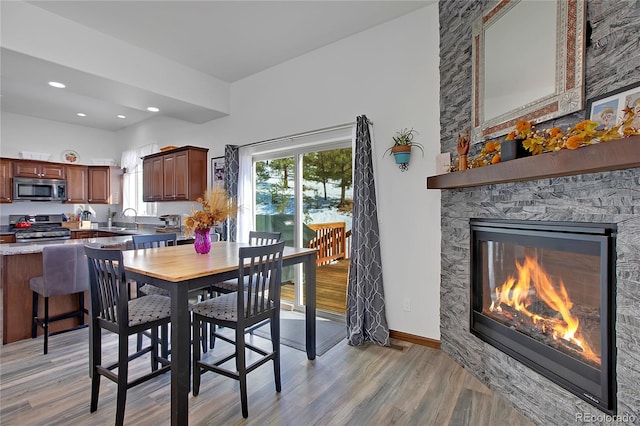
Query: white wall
x,y
23,133
390,73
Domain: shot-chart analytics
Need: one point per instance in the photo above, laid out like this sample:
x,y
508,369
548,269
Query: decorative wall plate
x,y
70,156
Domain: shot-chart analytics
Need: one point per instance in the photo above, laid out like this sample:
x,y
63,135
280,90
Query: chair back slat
x,y
154,240
107,283
262,265
263,238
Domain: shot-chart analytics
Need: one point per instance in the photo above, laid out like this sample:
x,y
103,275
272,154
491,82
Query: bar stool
x,y
65,272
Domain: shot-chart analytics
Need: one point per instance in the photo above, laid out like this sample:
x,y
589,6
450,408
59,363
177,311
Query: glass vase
x,y
202,243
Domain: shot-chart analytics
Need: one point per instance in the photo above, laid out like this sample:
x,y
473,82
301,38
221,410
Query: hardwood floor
x,y
331,287
368,385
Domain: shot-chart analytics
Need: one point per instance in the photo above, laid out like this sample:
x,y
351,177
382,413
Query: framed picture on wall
x,y
608,108
217,171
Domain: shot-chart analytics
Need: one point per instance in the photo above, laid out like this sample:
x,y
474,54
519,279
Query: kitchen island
x,y
23,261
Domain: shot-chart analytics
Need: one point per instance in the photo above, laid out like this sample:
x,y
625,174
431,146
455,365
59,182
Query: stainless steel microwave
x,y
27,189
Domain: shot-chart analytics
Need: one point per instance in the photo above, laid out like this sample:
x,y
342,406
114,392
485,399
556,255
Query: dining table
x,y
180,270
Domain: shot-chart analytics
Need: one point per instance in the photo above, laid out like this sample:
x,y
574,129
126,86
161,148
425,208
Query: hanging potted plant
x,y
402,144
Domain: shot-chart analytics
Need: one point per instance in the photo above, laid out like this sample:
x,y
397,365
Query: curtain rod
x,y
309,133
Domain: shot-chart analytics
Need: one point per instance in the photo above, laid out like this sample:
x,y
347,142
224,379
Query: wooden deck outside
x,y
331,287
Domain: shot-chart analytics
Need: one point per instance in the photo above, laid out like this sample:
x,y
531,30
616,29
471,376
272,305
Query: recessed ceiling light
x,y
121,116
57,85
152,109
81,114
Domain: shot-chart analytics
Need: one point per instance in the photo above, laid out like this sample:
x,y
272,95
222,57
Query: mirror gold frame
x,y
568,95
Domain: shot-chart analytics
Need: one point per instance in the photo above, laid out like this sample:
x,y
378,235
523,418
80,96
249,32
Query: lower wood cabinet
x,y
7,239
76,235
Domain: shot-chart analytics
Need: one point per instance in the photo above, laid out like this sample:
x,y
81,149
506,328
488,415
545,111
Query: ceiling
x,y
225,41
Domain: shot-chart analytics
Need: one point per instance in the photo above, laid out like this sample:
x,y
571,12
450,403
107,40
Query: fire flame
x,y
515,293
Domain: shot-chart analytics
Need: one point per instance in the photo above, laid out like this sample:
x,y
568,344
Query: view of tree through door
x,y
317,188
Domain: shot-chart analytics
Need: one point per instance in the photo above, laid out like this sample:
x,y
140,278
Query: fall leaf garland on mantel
x,y
584,133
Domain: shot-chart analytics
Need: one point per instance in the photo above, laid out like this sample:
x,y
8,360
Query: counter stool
x,y
65,271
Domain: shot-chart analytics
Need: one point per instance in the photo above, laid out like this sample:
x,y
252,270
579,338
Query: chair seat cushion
x,y
148,289
228,286
148,308
231,285
223,307
37,284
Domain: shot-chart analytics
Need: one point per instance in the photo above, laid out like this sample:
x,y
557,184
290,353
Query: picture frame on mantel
x,y
217,171
608,109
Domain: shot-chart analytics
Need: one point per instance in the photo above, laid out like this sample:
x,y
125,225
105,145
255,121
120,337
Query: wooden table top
x,y
180,263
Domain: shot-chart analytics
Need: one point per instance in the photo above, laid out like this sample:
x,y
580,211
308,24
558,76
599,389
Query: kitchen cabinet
x,y
176,175
5,181
77,235
153,182
8,238
105,185
77,184
38,169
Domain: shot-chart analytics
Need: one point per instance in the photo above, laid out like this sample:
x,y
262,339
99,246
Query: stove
x,y
42,228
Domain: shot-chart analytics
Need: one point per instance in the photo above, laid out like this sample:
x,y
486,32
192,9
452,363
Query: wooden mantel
x,y
614,155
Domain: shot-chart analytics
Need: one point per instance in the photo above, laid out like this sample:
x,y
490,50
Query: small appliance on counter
x,y
171,223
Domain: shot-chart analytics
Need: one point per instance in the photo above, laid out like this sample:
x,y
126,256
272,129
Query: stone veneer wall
x,y
612,61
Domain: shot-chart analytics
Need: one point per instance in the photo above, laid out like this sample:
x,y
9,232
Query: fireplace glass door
x,y
542,292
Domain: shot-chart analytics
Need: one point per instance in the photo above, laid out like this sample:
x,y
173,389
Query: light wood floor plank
x,y
346,386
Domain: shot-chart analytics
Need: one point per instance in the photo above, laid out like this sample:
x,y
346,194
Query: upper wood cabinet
x,y
77,184
176,175
5,181
38,169
105,185
153,180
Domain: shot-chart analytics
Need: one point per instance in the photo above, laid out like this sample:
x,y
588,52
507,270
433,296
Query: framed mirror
x,y
528,64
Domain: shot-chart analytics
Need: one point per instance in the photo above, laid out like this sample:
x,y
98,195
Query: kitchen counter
x,y
113,241
36,246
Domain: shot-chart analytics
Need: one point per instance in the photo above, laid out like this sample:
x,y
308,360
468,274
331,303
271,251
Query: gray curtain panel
x,y
366,315
231,172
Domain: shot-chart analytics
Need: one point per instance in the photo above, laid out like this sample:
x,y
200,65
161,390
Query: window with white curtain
x,y
132,180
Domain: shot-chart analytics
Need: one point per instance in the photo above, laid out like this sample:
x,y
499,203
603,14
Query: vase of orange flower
x,y
512,146
217,206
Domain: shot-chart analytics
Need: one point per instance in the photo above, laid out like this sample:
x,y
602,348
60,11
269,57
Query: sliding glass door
x,y
308,197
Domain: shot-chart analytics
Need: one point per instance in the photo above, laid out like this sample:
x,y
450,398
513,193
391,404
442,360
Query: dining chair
x,y
64,272
256,238
241,310
113,310
153,241
143,289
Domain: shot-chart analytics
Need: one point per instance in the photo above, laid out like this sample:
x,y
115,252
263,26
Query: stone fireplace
x,y
543,293
592,197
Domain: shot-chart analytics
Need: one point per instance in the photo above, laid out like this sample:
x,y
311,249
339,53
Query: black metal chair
x,y
241,310
111,309
64,271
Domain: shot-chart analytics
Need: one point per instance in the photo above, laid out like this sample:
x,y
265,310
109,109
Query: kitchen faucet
x,y
135,218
